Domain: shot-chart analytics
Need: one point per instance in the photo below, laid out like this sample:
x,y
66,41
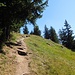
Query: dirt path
x,y
22,59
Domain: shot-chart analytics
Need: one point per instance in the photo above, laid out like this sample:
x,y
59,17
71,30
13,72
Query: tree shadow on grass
x,y
2,52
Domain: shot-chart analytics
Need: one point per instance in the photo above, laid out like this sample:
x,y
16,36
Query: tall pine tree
x,y
14,12
52,35
37,31
46,32
66,36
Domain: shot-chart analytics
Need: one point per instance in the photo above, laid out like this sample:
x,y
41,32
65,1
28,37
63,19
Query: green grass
x,y
15,36
50,58
6,65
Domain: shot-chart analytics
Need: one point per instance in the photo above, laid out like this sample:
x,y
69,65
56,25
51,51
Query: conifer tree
x,y
31,32
66,36
37,31
14,12
46,32
25,30
52,35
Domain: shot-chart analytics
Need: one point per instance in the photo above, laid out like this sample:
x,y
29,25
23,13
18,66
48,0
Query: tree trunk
x,y
8,32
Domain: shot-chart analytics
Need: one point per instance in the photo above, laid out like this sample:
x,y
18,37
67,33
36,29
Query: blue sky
x,y
55,14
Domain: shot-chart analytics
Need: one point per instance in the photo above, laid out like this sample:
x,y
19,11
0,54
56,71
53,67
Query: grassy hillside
x,y
49,58
7,59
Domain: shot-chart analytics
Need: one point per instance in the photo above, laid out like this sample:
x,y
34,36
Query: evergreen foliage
x,y
25,30
52,35
16,13
37,31
46,32
31,32
66,36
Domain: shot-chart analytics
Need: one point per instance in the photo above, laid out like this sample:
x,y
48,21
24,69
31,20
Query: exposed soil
x,y
22,58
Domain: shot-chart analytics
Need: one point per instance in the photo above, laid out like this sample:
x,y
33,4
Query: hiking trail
x,y
22,58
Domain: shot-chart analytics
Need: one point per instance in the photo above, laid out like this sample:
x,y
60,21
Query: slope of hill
x,y
50,58
7,57
46,57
